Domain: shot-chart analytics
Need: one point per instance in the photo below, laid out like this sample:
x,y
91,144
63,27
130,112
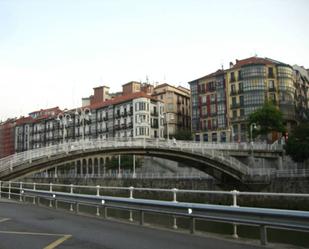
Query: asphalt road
x,y
31,227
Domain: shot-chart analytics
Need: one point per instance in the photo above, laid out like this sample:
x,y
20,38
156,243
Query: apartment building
x,y
7,137
136,115
248,84
177,107
209,108
176,104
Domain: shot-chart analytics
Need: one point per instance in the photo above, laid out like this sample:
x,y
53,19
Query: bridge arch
x,y
220,166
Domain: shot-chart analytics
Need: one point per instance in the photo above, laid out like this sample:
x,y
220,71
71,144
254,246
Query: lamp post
x,y
64,119
84,114
252,126
231,131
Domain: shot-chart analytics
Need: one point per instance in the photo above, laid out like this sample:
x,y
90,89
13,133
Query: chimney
x,y
231,64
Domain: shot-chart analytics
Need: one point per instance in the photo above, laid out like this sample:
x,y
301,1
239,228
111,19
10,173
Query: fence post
x,y
175,222
71,192
263,234
98,190
98,211
20,191
234,194
50,190
235,235
9,190
141,221
34,189
131,192
192,225
174,190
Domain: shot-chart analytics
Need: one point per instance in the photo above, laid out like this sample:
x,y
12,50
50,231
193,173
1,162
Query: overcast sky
x,y
53,52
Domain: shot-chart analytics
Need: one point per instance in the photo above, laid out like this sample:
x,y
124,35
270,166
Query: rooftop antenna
x,y
147,79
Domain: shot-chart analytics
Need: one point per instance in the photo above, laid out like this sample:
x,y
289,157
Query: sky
x,y
53,52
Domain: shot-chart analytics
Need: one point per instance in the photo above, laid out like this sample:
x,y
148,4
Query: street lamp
x,y
84,114
231,131
64,119
252,126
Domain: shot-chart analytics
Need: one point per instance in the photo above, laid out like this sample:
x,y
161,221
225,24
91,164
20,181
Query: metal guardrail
x,y
234,214
214,150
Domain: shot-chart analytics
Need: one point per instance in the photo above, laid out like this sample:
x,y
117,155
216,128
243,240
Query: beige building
x,y
134,86
177,107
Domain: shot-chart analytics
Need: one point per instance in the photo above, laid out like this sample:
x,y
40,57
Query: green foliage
x,y
297,145
184,135
126,162
268,119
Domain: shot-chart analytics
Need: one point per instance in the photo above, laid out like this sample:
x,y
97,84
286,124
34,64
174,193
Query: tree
x,y
183,135
297,145
268,119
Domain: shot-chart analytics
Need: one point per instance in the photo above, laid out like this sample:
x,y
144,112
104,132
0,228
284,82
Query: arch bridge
x,y
214,159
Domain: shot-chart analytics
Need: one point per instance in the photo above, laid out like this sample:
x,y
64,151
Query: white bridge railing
x,y
213,150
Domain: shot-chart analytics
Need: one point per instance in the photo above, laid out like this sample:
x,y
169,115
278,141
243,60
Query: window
x,y
271,84
241,100
212,98
232,77
240,87
214,137
233,89
204,99
242,112
239,75
234,114
170,107
270,72
205,137
234,101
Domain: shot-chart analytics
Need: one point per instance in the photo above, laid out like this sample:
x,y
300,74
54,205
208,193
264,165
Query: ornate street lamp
x,y
64,119
84,115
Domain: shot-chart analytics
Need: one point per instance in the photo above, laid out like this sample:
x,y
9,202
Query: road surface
x,y
31,227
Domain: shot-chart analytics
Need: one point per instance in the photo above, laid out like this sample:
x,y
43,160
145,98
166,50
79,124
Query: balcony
x,y
240,91
272,89
155,114
105,118
233,93
238,119
129,125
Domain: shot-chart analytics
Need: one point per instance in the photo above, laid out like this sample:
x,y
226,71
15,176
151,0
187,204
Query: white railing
x,y
123,175
277,173
96,197
13,188
219,151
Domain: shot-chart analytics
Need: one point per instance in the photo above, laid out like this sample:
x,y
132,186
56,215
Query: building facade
x,y
302,92
248,84
7,137
136,115
177,106
209,108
